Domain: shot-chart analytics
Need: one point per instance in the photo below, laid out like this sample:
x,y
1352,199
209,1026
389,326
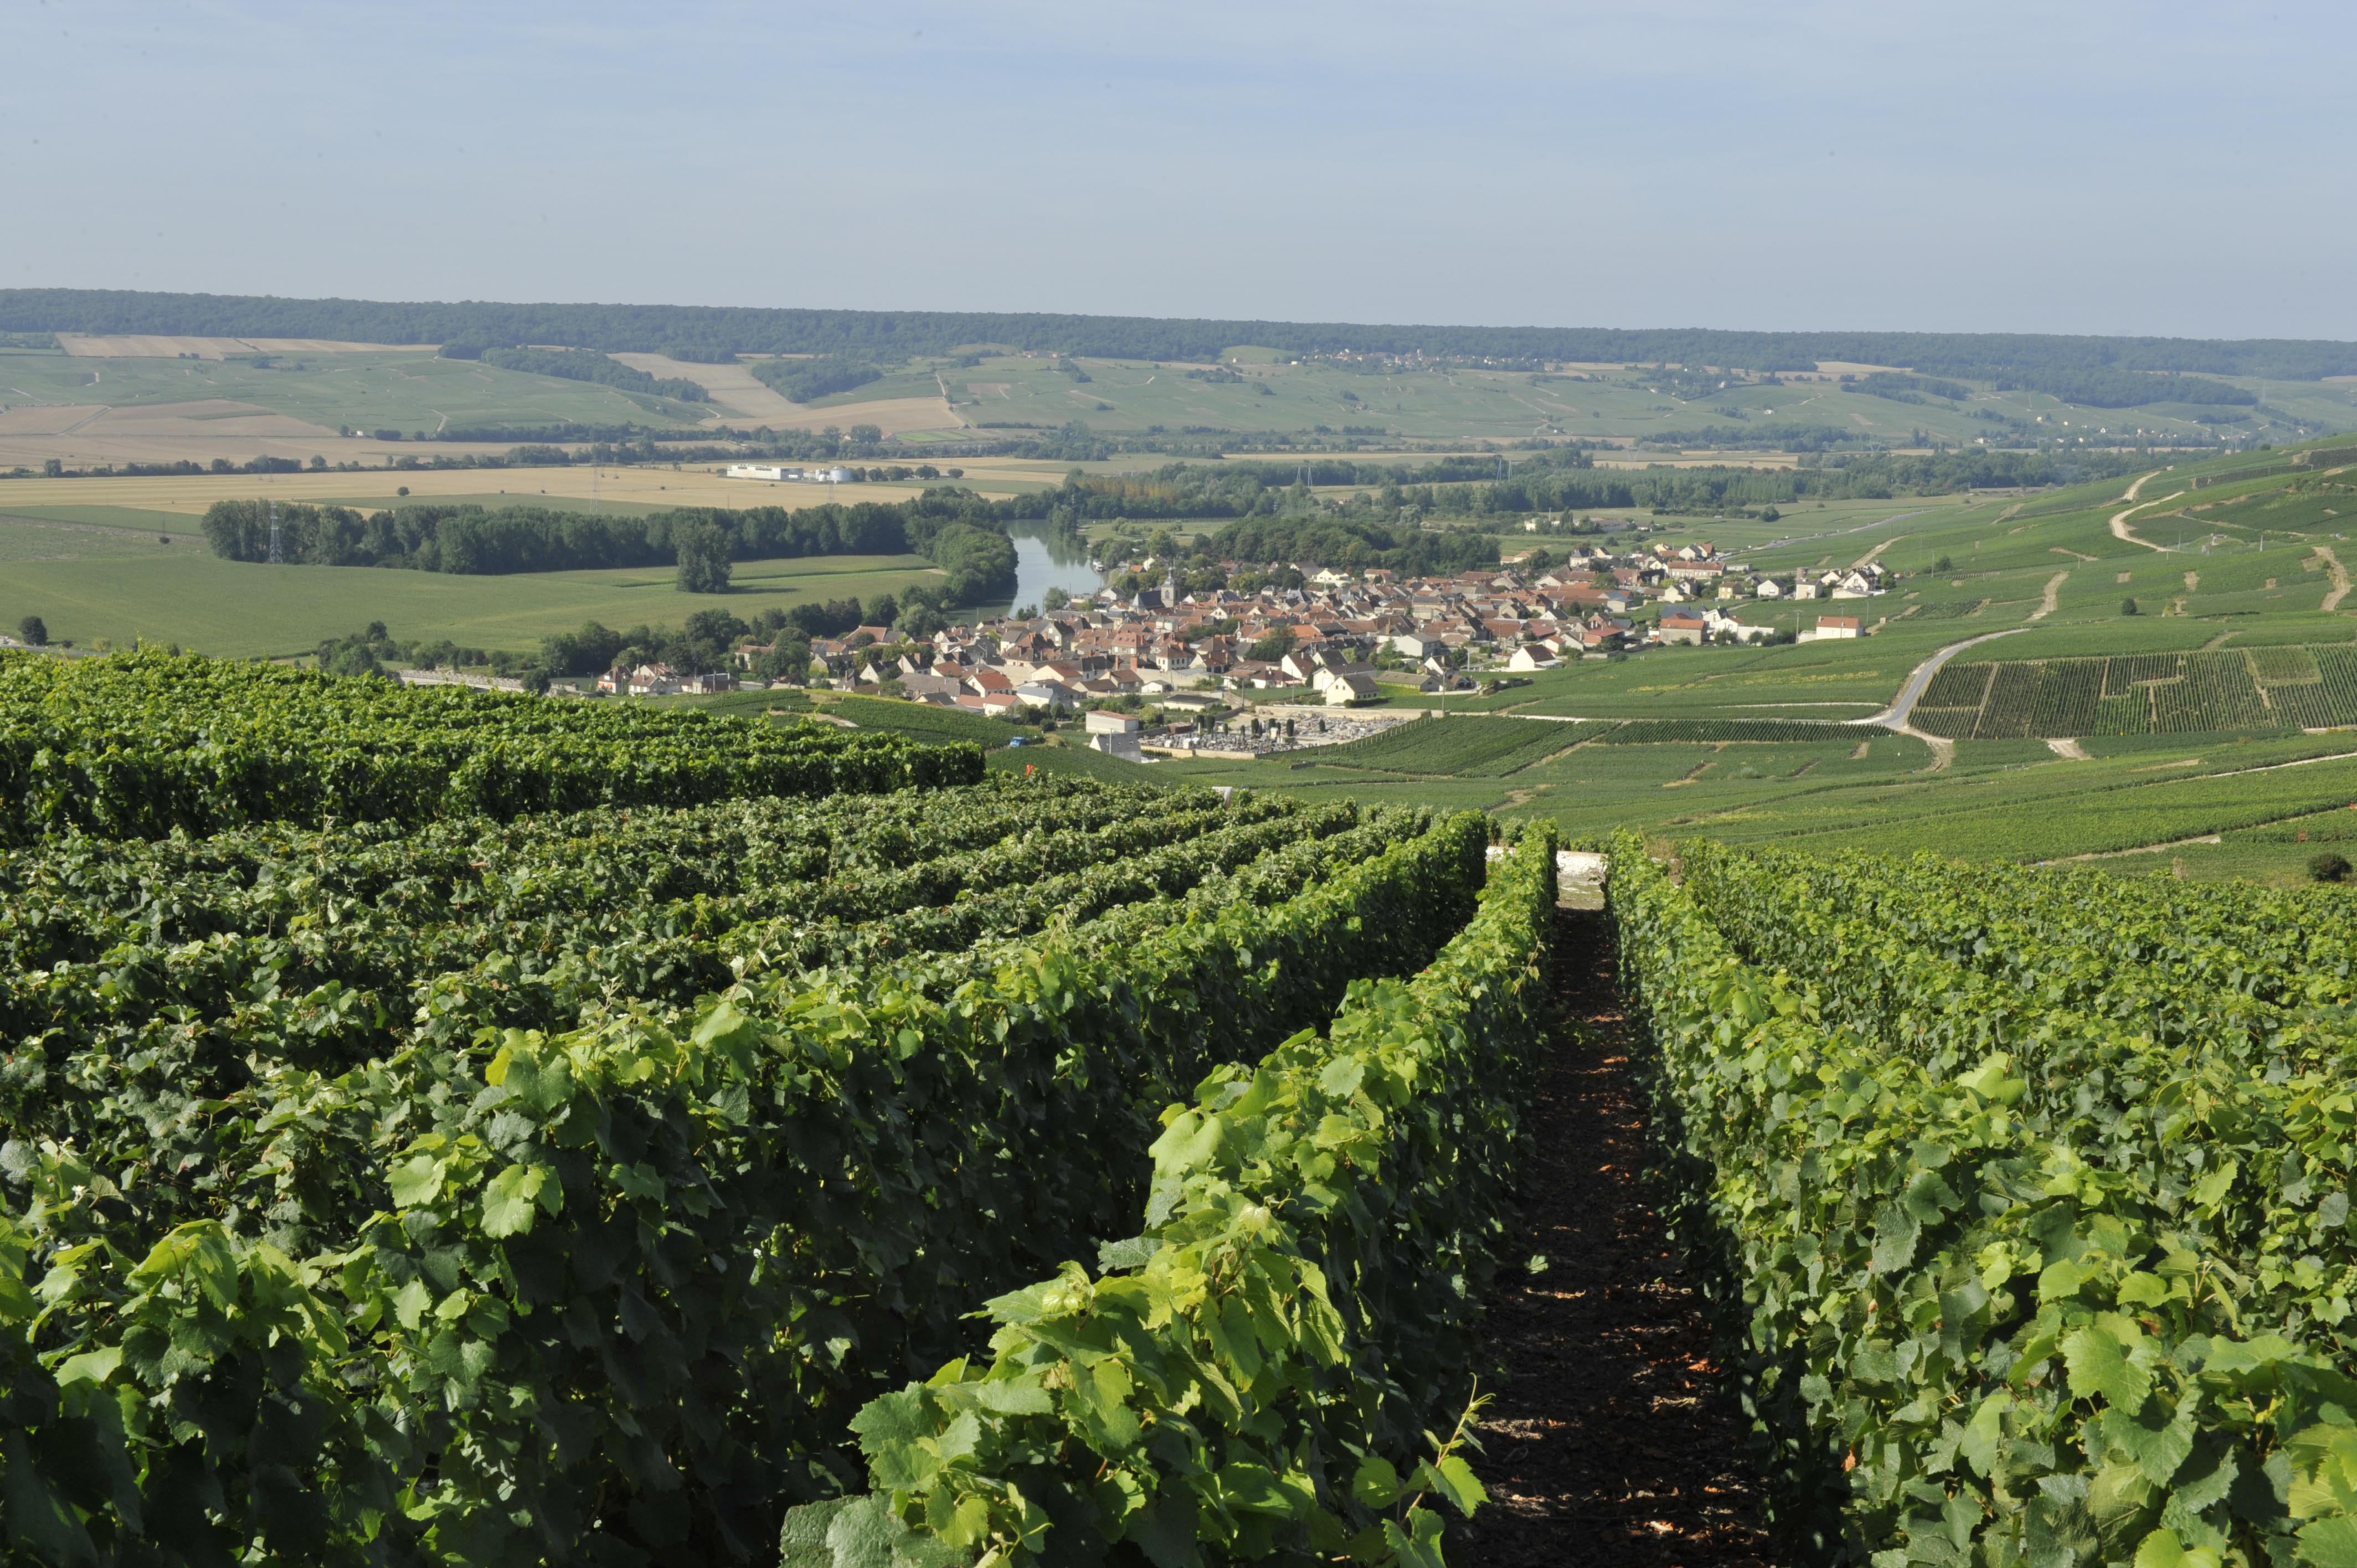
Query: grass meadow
x,y
182,594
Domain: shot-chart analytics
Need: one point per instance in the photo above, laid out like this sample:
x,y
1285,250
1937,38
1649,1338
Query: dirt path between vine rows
x,y
1614,1438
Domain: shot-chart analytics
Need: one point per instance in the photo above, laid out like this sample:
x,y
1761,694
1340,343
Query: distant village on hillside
x,y
1326,637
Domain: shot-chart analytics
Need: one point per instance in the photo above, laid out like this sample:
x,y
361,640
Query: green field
x,y
2229,654
1257,389
1013,396
405,392
2185,711
2267,686
1472,747
182,593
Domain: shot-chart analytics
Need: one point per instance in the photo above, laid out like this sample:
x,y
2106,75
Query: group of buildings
x,y
1333,641
790,473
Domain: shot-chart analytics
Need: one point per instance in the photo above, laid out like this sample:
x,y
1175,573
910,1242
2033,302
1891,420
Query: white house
x,y
1768,588
654,680
1831,627
1326,675
1685,625
1531,656
1345,689
1733,627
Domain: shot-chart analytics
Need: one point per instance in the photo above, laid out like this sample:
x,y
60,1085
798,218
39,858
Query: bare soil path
x,y
1614,1439
2048,603
2340,577
2120,530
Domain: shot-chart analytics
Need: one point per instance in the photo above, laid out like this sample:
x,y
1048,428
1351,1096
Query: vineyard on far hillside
x,y
1476,746
2145,693
406,1175
2037,1186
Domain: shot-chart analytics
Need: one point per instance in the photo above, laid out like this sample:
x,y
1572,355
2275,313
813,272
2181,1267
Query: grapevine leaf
x,y
508,1198
92,1366
804,1538
1896,1231
2323,1543
2099,1364
1252,1487
1453,1479
1001,1396
417,1182
861,1535
1135,1252
1417,1546
410,1302
2161,1549
1377,1483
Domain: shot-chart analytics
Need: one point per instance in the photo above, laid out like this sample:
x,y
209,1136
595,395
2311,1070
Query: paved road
x,y
1896,716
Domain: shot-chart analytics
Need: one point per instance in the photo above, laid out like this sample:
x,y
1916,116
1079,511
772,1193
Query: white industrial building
x,y
780,473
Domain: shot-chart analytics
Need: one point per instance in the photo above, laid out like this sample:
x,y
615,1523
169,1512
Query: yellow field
x,y
736,393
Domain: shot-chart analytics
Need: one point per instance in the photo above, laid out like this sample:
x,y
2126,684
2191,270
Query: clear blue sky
x,y
2092,165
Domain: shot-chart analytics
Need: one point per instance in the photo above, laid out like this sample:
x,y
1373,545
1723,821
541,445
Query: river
x,y
1045,561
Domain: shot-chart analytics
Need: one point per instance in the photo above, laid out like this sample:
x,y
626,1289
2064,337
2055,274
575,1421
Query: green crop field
x,y
1256,390
136,588
1248,392
2269,687
405,392
1468,747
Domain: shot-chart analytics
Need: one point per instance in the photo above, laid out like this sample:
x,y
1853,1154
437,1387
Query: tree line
x,y
1560,480
958,531
892,336
799,380
1354,544
574,365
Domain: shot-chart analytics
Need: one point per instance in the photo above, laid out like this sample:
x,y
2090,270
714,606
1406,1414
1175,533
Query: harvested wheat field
x,y
736,395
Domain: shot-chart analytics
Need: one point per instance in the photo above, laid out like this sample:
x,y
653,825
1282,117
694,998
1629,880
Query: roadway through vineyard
x,y
1614,1439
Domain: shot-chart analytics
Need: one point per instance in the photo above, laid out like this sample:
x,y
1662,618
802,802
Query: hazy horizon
x,y
2118,169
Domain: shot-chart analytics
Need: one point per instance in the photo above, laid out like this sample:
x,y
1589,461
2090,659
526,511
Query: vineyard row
x,y
481,1292
2042,1250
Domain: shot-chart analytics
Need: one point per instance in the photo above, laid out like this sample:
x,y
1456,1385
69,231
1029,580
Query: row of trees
x,y
892,336
707,640
799,380
1559,479
574,365
959,533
